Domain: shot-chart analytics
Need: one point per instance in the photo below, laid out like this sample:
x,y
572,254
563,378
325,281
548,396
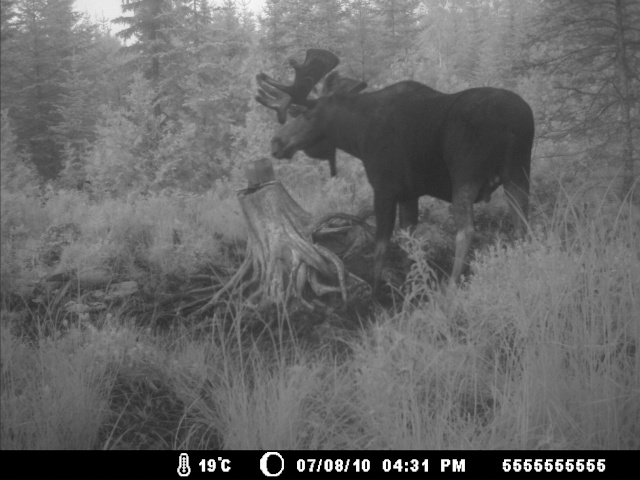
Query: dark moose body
x,y
415,141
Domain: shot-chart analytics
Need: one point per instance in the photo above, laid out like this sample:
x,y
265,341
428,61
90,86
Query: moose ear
x,y
357,86
297,110
331,83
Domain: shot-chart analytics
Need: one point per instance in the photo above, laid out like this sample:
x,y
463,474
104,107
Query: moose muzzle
x,y
279,150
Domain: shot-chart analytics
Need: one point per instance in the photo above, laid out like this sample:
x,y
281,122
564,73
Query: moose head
x,y
292,100
309,131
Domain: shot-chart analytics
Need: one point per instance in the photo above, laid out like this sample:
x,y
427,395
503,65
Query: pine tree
x,y
328,21
401,25
298,24
149,25
590,47
35,58
273,28
123,157
364,56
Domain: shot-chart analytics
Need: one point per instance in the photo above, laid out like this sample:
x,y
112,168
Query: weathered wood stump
x,y
282,263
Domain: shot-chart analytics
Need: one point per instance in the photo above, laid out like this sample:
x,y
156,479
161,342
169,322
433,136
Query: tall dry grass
x,y
537,350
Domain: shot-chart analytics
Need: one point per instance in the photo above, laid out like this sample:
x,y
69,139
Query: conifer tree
x,y
35,58
590,47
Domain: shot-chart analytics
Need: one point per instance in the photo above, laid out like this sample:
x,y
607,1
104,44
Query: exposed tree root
x,y
282,264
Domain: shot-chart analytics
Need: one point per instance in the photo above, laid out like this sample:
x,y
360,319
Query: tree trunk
x,y
625,104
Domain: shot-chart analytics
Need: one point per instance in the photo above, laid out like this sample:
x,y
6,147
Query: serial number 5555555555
x,y
556,465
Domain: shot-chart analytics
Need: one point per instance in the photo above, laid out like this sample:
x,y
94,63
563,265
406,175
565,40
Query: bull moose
x,y
414,141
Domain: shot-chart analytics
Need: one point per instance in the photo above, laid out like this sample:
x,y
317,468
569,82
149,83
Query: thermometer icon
x,y
184,470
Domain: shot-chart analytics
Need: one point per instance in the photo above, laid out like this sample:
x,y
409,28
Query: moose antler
x,y
279,97
273,98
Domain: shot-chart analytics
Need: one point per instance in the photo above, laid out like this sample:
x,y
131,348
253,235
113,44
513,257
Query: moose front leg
x,y
385,211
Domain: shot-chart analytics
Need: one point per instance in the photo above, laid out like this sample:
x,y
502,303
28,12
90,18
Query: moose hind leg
x,y
408,213
408,210
463,219
517,193
332,167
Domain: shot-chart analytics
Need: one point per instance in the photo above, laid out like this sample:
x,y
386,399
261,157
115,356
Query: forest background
x,y
124,143
174,108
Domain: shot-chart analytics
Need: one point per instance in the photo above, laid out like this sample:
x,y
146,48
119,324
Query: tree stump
x,y
282,264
